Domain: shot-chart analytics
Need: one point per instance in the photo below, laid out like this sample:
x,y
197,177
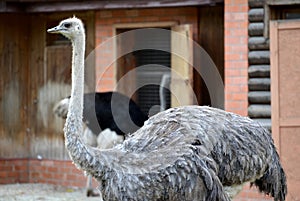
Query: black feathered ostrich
x,y
99,115
184,153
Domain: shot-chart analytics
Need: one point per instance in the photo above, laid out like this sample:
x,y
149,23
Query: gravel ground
x,y
42,192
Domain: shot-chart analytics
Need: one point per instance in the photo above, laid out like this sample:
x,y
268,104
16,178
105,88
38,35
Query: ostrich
x,y
102,130
184,153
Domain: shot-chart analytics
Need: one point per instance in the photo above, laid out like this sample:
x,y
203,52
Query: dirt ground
x,y
42,192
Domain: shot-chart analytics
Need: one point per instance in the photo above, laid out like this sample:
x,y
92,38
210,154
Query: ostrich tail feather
x,y
217,193
273,182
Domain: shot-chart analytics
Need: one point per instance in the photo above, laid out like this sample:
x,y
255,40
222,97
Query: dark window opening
x,y
285,12
150,65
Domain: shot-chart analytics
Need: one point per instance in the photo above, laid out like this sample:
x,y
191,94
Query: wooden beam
x,y
9,8
256,3
257,71
282,2
117,4
256,15
259,111
258,43
256,29
259,97
259,57
259,84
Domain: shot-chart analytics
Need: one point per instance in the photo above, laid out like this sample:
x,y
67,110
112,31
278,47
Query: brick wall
x,y
236,71
105,21
236,56
14,171
63,173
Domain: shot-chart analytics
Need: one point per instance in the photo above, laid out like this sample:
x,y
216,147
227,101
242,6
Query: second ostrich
x,y
184,153
105,128
98,112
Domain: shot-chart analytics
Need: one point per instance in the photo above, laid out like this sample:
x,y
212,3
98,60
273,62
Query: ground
x,y
42,192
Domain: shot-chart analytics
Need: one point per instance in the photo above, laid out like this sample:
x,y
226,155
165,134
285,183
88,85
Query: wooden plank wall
x,y
211,38
13,85
34,76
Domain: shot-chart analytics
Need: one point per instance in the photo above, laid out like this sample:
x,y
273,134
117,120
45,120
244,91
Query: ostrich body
x,y
185,153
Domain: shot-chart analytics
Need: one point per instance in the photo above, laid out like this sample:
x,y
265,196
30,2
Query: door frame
x,y
184,77
278,122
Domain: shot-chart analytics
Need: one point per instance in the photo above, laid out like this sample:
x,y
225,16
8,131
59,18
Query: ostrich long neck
x,y
82,155
87,158
76,101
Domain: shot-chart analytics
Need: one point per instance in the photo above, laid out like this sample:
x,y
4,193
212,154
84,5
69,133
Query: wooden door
x,y
285,97
181,66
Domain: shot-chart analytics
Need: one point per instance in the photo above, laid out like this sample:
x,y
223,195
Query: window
x,y
149,66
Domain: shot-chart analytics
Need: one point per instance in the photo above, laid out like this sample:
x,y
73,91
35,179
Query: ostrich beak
x,y
56,29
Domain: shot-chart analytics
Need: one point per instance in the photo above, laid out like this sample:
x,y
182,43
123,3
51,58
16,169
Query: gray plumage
x,y
186,153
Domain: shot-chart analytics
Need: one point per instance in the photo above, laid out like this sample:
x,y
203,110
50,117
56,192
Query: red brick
x,y
35,168
22,167
235,72
105,14
34,162
46,175
34,174
6,168
132,13
3,174
234,24
53,169
230,40
232,57
76,171
237,96
238,80
237,2
237,7
236,88
238,32
241,64
13,174
235,17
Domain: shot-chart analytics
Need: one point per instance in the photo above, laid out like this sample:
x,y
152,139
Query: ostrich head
x,y
71,28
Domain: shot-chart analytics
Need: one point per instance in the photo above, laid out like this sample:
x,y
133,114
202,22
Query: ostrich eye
x,y
67,25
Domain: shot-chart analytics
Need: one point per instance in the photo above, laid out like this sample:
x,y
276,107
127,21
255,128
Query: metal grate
x,y
151,66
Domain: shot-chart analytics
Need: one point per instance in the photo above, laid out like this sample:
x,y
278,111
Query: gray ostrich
x,y
184,153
